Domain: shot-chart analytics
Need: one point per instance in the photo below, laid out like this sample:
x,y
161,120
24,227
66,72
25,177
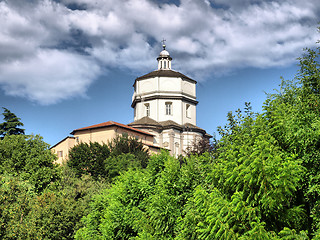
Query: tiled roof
x,y
109,124
62,141
148,122
165,73
145,120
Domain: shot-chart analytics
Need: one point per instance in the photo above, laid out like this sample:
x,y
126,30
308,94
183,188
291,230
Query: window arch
x,y
147,107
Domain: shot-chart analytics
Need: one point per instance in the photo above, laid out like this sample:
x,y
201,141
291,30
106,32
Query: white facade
x,y
164,103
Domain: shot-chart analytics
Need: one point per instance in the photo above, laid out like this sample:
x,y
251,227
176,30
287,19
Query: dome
x,y
164,53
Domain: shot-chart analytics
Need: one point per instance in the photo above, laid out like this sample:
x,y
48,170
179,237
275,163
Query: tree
x,y
261,182
15,198
145,203
108,160
11,124
123,144
54,213
89,159
30,158
201,145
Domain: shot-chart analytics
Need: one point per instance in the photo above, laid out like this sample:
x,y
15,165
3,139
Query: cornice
x,y
166,97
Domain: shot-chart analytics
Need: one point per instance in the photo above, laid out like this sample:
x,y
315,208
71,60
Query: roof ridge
x,y
165,73
108,124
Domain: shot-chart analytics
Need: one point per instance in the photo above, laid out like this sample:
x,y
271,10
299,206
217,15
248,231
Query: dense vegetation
x,y
108,160
261,180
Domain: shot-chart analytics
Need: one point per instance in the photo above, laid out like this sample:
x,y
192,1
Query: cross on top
x,y
163,44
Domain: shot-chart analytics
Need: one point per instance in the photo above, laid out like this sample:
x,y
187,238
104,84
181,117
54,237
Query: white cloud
x,y
48,77
39,39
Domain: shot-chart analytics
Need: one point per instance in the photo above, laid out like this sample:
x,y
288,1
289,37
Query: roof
x,y
110,124
165,73
62,141
145,120
148,122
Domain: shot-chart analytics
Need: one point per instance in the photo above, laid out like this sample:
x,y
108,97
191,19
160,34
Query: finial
x,y
163,44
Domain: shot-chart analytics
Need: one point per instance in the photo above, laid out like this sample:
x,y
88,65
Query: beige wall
x,y
104,135
62,149
100,135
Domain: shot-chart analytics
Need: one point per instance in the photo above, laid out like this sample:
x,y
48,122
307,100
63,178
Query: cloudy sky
x,y
66,64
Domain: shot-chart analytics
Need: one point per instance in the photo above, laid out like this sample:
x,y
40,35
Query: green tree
x,y
15,198
123,144
11,124
261,182
108,160
89,159
145,203
54,213
265,180
201,145
30,158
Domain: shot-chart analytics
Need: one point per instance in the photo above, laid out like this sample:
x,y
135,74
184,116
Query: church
x,y
164,103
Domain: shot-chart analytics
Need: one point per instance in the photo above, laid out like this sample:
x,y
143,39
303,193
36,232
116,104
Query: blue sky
x,y
71,63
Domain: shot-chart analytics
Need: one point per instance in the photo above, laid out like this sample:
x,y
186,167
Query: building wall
x,y
177,141
62,149
95,135
157,110
103,135
100,135
165,87
189,138
189,117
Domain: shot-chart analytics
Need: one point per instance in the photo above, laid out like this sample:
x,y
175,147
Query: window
x,y
60,153
147,106
164,64
168,108
188,111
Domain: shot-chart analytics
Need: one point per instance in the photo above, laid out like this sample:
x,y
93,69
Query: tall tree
x,y
11,124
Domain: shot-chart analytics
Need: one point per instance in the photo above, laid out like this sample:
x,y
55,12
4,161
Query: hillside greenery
x,y
260,180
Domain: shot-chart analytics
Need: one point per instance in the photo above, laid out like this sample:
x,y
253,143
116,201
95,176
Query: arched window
x,y
147,106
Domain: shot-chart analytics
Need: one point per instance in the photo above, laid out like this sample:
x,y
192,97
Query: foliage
x,y
89,158
123,144
11,124
108,160
56,213
53,214
15,197
28,157
201,145
145,203
261,182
